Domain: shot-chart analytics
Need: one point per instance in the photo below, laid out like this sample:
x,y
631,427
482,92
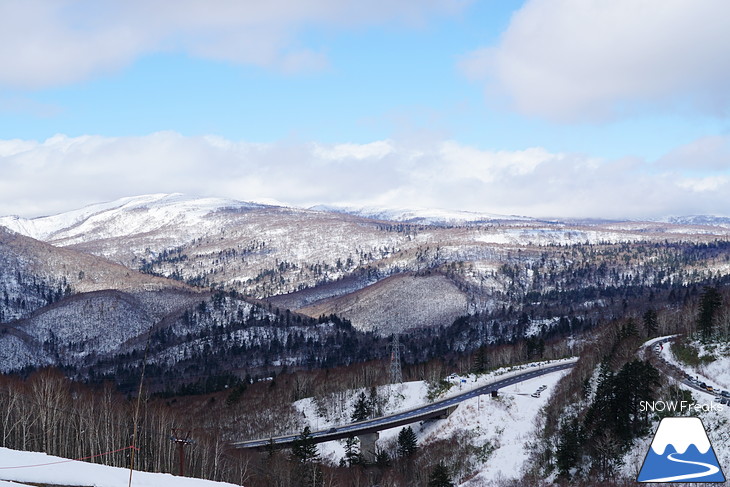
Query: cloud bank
x,y
61,173
595,60
44,44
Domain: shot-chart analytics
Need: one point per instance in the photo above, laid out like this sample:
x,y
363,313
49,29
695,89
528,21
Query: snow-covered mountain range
x,y
423,216
305,257
169,213
385,270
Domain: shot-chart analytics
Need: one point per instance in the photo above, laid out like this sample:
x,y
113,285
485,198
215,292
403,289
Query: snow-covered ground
x,y
39,468
504,425
507,424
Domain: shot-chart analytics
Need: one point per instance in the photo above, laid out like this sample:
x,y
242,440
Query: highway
x,y
428,411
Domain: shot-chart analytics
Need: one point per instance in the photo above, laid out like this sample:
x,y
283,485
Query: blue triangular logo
x,y
681,452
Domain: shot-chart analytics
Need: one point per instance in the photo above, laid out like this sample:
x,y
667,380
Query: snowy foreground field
x,y
17,467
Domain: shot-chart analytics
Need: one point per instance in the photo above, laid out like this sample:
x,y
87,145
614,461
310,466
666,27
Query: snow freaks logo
x,y
681,452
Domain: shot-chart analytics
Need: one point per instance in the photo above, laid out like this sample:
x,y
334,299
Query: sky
x,y
543,108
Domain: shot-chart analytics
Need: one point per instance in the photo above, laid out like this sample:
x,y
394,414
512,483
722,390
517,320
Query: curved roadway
x,y
428,411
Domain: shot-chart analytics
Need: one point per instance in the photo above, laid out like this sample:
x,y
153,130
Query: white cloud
x,y
486,166
373,150
46,43
710,153
595,60
709,184
62,173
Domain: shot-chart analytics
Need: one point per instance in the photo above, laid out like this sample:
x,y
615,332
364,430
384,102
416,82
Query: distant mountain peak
x,y
698,220
166,207
433,216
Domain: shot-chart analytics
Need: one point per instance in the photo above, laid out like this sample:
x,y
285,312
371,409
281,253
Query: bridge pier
x,y
368,452
447,412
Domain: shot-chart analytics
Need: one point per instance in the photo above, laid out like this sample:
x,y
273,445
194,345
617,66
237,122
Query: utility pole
x,y
396,374
181,441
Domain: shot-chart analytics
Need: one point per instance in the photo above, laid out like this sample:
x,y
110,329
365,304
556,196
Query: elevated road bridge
x,y
368,431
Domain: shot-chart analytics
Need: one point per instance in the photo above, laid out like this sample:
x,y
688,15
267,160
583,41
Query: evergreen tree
x,y
481,361
651,322
709,304
362,408
568,450
615,417
600,415
352,453
271,448
628,330
440,476
304,449
407,442
374,403
637,381
382,459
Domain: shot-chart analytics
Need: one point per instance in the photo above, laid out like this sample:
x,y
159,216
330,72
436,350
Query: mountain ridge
x,y
44,227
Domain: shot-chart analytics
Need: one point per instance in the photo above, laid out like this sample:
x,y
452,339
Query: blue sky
x,y
536,107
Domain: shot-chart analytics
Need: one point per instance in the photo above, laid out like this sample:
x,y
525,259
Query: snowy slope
x,y
372,307
41,468
34,274
122,217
